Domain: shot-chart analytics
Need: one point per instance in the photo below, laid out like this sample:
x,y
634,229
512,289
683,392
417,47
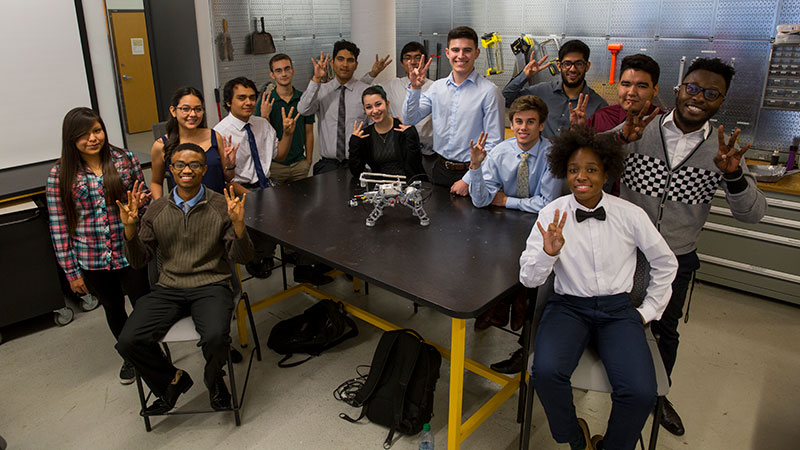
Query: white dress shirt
x,y
323,100
266,142
678,144
396,91
599,257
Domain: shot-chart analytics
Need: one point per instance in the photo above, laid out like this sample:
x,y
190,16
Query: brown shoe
x,y
587,436
518,309
495,316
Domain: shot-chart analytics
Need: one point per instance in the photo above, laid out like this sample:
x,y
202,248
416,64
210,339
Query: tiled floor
x,y
735,384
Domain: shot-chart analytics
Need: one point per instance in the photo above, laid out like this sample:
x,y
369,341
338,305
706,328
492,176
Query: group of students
x,y
665,167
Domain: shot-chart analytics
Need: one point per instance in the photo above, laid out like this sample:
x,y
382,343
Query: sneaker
x,y
127,374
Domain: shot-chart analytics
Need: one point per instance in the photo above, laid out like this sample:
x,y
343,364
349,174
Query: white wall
x,y
208,67
372,28
124,4
94,13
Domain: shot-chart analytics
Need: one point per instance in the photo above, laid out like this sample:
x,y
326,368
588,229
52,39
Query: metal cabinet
x,y
762,258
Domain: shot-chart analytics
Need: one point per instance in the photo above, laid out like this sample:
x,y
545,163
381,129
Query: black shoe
x,y
236,356
323,268
219,395
511,365
179,385
309,274
670,419
260,268
127,374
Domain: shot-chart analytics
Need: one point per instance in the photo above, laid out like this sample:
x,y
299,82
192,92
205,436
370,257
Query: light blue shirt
x,y
186,205
459,113
499,171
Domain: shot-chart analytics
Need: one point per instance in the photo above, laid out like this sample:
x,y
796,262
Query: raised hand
x,y
417,75
728,156
577,115
635,123
266,106
229,150
320,67
235,206
379,65
289,122
129,212
553,237
477,152
533,67
402,127
357,131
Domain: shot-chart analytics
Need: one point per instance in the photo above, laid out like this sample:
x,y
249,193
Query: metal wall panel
x,y
543,17
745,19
471,13
776,129
327,17
587,18
686,18
634,18
435,16
789,12
407,19
297,17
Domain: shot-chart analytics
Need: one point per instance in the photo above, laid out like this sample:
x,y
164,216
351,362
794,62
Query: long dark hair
x,y
78,122
173,133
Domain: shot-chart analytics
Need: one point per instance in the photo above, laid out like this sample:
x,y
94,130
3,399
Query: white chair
x,y
184,331
590,374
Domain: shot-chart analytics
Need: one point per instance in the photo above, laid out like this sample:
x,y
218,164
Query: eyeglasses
x,y
194,165
412,58
709,94
186,109
568,64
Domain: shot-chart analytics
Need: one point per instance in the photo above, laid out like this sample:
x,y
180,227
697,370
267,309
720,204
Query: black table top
x,y
31,178
461,263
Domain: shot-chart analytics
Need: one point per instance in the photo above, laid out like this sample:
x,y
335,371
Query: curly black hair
x,y
716,66
604,144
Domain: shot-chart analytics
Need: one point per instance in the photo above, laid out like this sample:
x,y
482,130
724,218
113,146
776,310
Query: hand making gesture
x,y
266,106
401,128
577,115
417,75
320,67
728,156
357,131
533,67
129,213
235,210
379,65
289,122
229,151
553,238
477,152
635,123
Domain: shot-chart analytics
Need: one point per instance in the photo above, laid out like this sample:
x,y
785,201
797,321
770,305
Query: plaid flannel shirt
x,y
97,243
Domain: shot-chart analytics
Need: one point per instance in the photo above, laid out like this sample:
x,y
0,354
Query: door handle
x,y
125,77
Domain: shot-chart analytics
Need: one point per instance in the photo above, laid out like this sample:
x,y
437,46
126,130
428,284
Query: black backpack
x,y
320,327
399,389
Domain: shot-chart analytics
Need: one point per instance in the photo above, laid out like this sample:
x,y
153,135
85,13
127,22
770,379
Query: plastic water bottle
x,y
426,438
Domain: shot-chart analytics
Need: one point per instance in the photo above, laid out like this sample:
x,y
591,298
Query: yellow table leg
x,y
458,336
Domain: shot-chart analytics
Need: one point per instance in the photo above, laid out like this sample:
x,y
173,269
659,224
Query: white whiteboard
x,y
43,77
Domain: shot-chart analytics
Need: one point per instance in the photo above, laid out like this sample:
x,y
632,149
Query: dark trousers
x,y
211,308
666,328
443,176
328,165
567,325
110,288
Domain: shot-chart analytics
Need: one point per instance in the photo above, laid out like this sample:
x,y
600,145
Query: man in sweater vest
x,y
673,169
196,232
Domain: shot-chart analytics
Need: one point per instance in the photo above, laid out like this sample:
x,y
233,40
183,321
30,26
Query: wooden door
x,y
134,69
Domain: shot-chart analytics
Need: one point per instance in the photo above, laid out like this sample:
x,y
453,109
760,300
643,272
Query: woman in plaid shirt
x,y
87,234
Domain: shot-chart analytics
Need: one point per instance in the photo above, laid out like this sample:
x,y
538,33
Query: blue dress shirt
x,y
499,171
459,113
186,205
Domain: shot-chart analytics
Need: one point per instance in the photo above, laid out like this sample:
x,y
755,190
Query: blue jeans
x,y
567,325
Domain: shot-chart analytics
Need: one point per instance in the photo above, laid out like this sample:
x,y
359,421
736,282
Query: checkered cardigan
x,y
678,199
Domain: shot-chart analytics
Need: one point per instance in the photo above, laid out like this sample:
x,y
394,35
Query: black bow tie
x,y
581,215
